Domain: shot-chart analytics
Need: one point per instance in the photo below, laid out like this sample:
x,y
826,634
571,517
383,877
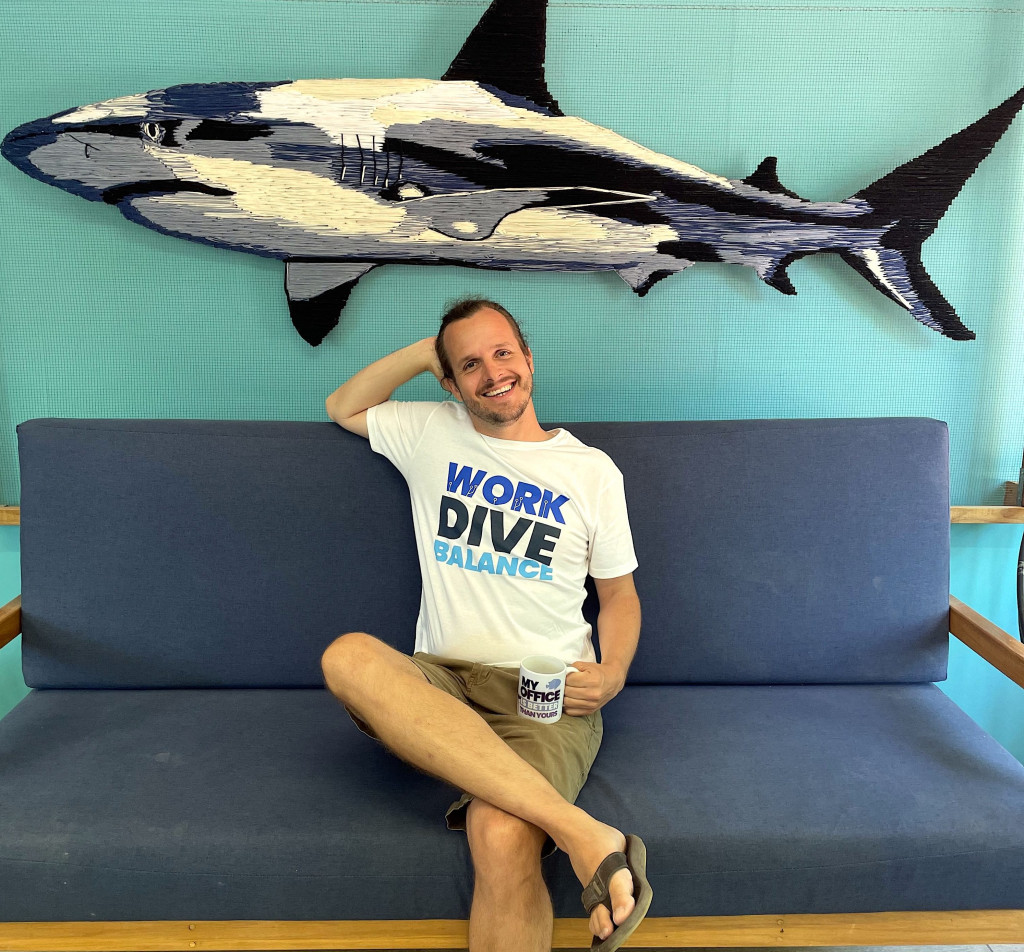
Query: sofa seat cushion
x,y
270,804
812,799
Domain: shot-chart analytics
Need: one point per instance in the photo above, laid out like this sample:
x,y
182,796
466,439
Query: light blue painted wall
x,y
100,317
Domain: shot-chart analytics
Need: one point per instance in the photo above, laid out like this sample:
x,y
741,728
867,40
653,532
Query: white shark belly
x,y
535,238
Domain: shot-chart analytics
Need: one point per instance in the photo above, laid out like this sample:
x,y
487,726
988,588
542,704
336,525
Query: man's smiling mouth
x,y
500,391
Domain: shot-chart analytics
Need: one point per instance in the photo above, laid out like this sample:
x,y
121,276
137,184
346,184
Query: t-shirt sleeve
x,y
611,546
396,428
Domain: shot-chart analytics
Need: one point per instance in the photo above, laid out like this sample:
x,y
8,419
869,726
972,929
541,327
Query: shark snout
x,y
20,142
82,160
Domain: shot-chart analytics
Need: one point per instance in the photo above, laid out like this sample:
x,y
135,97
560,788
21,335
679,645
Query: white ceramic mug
x,y
542,688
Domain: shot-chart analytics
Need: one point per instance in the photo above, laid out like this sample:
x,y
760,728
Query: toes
x,y
621,898
601,922
621,894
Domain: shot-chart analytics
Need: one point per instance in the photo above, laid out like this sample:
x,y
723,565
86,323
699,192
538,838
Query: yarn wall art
x,y
480,168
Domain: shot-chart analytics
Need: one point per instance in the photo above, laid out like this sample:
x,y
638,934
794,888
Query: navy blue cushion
x,y
787,551
169,553
270,804
162,553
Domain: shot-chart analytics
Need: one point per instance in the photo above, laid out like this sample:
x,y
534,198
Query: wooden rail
x,y
987,639
1009,511
963,514
10,621
872,928
11,515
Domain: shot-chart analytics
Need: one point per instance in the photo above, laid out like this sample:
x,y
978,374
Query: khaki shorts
x,y
563,752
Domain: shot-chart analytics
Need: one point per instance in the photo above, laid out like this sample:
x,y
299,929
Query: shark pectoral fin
x,y
642,277
317,292
473,216
774,272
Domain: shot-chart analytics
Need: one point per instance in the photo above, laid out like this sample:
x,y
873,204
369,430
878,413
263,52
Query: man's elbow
x,y
354,424
331,406
336,410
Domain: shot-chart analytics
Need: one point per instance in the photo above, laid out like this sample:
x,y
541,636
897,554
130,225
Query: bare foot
x,y
594,846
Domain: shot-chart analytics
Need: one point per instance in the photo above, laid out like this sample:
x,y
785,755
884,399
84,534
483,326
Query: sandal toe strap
x,y
597,891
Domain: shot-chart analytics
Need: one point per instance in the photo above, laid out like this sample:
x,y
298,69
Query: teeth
x,y
494,393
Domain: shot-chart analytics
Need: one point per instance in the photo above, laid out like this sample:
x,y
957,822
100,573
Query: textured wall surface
x,y
100,317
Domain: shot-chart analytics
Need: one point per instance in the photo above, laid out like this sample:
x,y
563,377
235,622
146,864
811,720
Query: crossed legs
x,y
445,738
511,909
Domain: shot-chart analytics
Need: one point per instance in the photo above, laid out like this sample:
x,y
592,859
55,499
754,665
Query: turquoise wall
x,y
101,317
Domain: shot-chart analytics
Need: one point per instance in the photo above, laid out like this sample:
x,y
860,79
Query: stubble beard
x,y
503,416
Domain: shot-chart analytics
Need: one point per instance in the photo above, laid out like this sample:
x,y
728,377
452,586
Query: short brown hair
x,y
461,309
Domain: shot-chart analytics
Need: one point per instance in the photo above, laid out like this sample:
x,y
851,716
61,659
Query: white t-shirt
x,y
506,533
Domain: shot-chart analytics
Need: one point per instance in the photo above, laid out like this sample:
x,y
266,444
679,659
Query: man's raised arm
x,y
374,384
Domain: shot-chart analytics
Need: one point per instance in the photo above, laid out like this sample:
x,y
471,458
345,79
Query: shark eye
x,y
152,131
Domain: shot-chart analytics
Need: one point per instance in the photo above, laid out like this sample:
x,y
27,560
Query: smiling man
x,y
510,519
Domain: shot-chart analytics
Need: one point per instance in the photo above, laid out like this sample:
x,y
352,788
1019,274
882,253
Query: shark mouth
x,y
121,193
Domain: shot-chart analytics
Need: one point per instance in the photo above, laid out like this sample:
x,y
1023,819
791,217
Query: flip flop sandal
x,y
596,893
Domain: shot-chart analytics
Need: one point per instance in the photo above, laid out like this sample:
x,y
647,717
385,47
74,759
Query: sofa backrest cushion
x,y
170,553
788,551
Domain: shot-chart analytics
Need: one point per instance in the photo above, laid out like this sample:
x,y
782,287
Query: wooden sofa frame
x,y
956,927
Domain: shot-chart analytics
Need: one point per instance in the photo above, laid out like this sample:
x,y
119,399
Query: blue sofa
x,y
179,776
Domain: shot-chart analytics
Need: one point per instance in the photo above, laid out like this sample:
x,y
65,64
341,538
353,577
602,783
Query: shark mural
x,y
480,168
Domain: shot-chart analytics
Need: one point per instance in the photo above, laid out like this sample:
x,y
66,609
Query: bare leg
x,y
444,737
511,904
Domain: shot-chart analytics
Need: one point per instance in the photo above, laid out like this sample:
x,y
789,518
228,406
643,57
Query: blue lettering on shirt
x,y
500,490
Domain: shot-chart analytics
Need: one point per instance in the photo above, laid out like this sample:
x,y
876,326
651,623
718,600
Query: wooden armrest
x,y
10,621
989,640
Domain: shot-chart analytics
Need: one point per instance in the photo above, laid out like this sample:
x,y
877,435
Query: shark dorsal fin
x,y
766,178
506,51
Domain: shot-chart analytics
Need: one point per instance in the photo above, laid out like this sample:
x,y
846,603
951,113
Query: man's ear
x,y
529,360
448,384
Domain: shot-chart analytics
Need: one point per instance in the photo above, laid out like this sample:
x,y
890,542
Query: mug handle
x,y
569,667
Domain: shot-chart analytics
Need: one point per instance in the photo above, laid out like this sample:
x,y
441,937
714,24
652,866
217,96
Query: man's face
x,y
493,374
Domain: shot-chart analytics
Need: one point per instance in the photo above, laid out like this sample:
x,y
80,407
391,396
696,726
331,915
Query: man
x,y
483,471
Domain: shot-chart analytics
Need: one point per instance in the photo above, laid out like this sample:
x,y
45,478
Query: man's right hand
x,y
433,364
375,383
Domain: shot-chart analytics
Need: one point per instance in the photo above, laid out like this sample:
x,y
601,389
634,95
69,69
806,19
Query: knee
x,y
345,656
502,844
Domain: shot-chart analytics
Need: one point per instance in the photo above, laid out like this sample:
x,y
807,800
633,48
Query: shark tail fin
x,y
919,191
913,198
898,274
901,276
